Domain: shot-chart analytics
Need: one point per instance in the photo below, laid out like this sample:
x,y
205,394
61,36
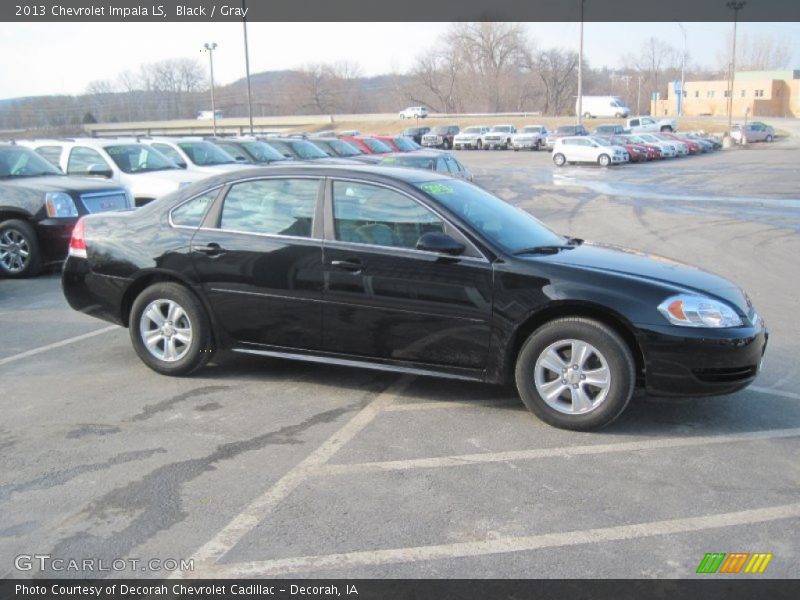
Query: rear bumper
x,y
701,362
96,295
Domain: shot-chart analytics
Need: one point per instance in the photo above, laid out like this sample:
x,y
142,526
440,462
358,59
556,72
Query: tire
x,y
559,159
20,254
575,405
604,160
617,115
666,128
159,299
768,139
479,145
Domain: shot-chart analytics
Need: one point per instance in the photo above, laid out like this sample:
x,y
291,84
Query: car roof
x,y
417,153
378,173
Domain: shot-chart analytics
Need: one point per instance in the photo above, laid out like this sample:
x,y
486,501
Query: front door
x,y
386,300
260,262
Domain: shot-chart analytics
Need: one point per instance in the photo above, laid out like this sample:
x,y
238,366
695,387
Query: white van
x,y
603,106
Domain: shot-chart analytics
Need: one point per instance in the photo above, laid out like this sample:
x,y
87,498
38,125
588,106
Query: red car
x,y
636,153
694,147
398,143
653,152
368,144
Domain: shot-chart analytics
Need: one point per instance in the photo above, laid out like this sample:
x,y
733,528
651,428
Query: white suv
x,y
414,112
583,148
147,173
196,154
471,137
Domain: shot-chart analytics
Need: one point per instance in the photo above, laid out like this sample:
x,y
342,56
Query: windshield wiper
x,y
553,249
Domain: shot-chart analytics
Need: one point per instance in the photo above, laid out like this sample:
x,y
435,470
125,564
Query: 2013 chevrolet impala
x,y
409,271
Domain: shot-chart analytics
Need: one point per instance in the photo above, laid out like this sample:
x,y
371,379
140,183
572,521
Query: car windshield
x,y
566,129
531,130
16,161
377,146
306,150
441,130
281,147
139,158
342,148
206,154
404,144
413,131
261,152
472,130
509,227
501,128
413,162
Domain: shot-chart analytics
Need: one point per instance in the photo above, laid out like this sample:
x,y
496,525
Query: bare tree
x,y
760,52
654,62
558,71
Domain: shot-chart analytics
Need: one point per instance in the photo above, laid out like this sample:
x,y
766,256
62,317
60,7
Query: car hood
x,y
61,183
636,264
155,184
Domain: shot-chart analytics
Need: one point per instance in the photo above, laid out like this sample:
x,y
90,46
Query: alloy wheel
x,y
166,330
14,251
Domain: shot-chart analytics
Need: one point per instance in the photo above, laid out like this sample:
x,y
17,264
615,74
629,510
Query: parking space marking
x,y
452,404
346,560
54,345
561,452
774,392
258,509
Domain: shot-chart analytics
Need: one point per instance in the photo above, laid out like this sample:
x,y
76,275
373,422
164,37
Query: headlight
x,y
698,311
60,204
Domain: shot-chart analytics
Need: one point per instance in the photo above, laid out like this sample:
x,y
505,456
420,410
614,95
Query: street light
x,y
735,6
247,70
210,47
683,71
580,72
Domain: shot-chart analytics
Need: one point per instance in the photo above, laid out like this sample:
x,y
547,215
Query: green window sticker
x,y
436,188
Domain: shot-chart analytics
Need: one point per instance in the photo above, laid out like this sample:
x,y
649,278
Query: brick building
x,y
766,93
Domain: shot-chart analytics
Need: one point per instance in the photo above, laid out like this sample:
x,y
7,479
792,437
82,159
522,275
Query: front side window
x,y
191,213
82,158
271,207
370,214
51,153
16,161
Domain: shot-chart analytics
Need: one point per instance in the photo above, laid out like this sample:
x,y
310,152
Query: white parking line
x,y
54,345
561,452
453,404
346,560
773,392
258,509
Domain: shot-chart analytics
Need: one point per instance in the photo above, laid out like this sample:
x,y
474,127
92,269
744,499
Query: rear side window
x,y
81,158
271,207
51,153
191,213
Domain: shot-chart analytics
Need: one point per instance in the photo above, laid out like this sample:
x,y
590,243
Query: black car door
x,y
260,261
386,300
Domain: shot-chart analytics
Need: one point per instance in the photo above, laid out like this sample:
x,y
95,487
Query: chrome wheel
x,y
15,251
166,330
572,377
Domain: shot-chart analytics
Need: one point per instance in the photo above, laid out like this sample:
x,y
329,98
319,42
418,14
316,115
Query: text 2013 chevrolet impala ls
x,y
409,271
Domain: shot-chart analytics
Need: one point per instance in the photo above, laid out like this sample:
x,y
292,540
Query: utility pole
x,y
247,70
735,6
639,94
683,71
210,47
579,110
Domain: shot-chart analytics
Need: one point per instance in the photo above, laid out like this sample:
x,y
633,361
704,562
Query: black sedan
x,y
39,205
410,271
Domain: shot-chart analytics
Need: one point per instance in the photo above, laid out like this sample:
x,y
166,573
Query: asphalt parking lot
x,y
262,467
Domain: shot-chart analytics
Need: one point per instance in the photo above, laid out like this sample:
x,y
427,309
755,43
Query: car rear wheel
x,y
169,329
604,160
666,128
769,138
559,159
479,145
575,373
20,255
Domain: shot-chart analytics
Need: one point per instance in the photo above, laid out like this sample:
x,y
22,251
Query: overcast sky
x,y
56,58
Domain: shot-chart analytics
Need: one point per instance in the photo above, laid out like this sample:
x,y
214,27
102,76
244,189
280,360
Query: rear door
x,y
259,260
386,300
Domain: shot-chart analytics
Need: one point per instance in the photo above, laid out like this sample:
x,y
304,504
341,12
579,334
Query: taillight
x,y
77,245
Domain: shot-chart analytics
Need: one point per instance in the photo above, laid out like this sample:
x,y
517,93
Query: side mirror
x,y
240,158
435,241
99,170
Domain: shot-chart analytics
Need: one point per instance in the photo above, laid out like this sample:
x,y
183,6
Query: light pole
x,y
638,93
210,47
683,71
580,72
247,70
735,6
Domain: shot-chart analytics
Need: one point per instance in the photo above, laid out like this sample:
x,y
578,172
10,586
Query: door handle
x,y
212,249
354,266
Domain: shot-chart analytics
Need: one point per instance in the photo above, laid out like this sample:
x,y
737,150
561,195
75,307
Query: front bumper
x,y
525,144
701,362
54,235
458,144
497,143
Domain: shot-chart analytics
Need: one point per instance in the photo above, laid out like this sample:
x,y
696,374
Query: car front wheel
x,y
560,160
20,255
169,329
604,160
575,373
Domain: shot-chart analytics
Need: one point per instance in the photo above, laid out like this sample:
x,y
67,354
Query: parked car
x,y
443,162
531,137
302,149
650,125
39,206
651,152
563,131
143,170
682,148
602,106
398,143
470,138
368,145
416,133
692,146
417,273
575,149
442,136
752,132
635,152
610,130
499,136
250,150
709,143
668,149
195,154
414,112
338,148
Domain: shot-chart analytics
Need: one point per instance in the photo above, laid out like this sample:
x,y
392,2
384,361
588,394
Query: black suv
x,y
39,206
441,137
416,133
